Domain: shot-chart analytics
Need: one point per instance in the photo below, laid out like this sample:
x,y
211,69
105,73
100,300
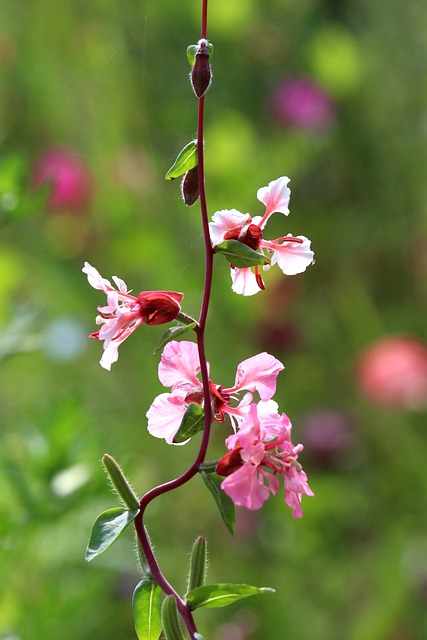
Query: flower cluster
x,y
292,254
261,447
124,312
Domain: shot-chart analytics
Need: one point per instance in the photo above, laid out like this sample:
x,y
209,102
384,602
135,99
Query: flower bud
x,y
198,562
120,482
170,620
201,74
158,307
190,187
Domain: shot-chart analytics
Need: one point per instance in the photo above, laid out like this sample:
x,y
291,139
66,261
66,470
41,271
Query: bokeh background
x,y
94,106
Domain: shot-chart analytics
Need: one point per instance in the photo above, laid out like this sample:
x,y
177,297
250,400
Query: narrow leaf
x,y
240,255
223,501
186,160
172,334
107,528
191,424
146,606
221,595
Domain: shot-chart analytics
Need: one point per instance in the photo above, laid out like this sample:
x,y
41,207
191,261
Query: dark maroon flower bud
x,y
190,187
158,307
201,74
229,463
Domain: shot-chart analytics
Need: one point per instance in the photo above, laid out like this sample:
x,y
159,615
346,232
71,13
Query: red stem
x,y
156,573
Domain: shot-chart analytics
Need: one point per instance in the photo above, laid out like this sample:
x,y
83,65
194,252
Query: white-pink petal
x,y
179,365
95,279
275,197
244,282
225,220
259,373
292,257
110,355
165,415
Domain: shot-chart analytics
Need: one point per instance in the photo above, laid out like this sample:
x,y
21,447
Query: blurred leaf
x,y
186,160
172,334
223,501
107,528
222,594
146,606
191,423
240,255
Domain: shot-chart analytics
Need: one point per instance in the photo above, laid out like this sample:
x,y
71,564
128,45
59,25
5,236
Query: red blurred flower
x,y
70,178
392,372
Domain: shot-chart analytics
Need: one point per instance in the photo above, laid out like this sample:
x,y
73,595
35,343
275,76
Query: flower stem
x,y
200,331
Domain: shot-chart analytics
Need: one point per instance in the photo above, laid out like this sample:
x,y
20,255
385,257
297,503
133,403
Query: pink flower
x,y
300,102
179,367
124,312
292,254
70,178
392,372
259,452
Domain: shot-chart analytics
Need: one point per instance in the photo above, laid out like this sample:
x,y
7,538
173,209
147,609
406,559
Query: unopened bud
x,y
201,74
120,482
171,626
198,562
190,187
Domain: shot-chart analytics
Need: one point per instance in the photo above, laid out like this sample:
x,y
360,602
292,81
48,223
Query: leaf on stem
x,y
106,529
186,160
240,255
191,423
146,606
224,503
222,594
172,334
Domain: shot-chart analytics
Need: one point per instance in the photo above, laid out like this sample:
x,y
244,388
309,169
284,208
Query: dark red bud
x,y
158,307
190,187
201,75
229,463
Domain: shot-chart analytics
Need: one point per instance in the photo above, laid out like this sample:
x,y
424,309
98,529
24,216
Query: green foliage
x,y
221,595
170,619
240,255
198,561
172,334
146,606
185,160
225,504
191,423
107,528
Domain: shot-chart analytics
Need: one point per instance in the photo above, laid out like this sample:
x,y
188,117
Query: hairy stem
x,y
200,331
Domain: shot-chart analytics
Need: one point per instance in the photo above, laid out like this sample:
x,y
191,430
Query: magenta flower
x,y
259,452
124,312
292,254
179,367
300,102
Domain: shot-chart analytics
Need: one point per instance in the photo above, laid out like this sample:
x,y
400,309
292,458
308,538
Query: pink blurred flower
x,y
259,452
292,254
300,102
392,372
124,312
179,367
330,439
70,178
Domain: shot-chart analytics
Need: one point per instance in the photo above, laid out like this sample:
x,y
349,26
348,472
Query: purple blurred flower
x,y
329,438
300,102
70,178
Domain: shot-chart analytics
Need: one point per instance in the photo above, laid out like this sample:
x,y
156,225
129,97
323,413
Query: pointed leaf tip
x,y
106,529
185,160
222,594
240,255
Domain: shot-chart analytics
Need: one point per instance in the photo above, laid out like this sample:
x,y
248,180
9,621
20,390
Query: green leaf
x,y
193,49
221,595
191,424
172,333
170,620
107,528
223,501
240,255
146,606
186,160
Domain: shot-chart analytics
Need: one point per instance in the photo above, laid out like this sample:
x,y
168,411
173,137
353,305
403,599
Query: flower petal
x,y
246,487
292,257
275,197
95,279
258,373
179,365
224,221
244,282
165,415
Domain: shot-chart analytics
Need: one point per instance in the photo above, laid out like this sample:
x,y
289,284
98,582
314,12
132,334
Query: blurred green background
x,y
96,96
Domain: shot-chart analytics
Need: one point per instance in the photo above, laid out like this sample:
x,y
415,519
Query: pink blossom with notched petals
x,y
291,253
179,367
259,452
124,313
